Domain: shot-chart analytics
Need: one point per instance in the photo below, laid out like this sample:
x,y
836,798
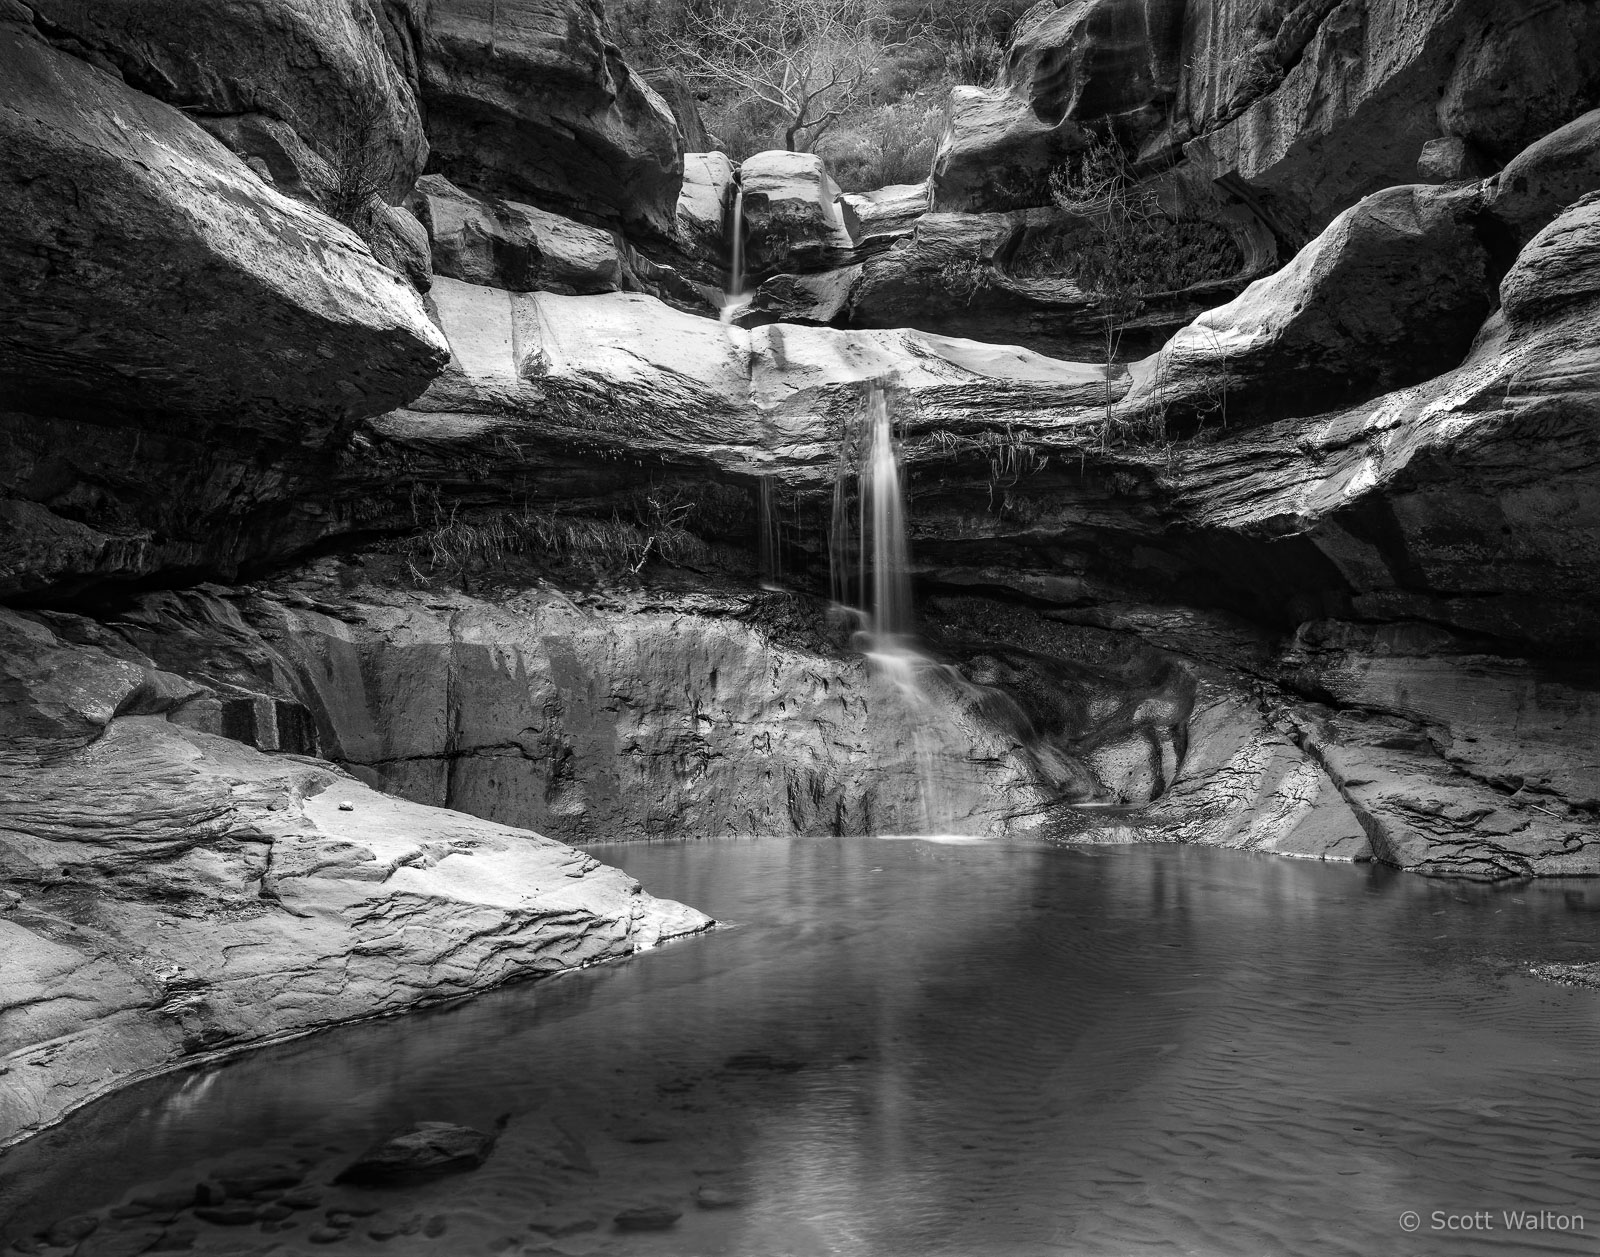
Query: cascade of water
x,y
882,586
734,298
884,527
771,559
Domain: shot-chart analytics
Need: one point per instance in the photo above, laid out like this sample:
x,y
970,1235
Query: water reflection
x,y
907,1047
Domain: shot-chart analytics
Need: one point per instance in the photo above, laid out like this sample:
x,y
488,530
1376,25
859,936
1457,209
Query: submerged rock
x,y
648,1218
426,1150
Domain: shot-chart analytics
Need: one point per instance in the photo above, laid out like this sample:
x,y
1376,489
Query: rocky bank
x,y
379,490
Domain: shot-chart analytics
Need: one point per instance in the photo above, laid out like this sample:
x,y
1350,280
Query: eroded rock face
x,y
172,893
1301,109
159,297
323,68
1392,293
529,99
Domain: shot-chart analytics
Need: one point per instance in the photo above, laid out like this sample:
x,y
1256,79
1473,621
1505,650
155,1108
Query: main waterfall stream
x,y
917,1047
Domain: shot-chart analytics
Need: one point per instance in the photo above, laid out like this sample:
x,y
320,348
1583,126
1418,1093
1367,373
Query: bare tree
x,y
808,60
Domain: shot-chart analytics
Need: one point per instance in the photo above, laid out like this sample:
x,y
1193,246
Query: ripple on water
x,y
926,1047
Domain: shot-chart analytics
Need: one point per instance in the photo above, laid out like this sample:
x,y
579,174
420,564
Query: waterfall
x,y
734,298
882,586
767,539
883,529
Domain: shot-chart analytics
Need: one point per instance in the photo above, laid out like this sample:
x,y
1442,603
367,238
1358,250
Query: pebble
x,y
717,1198
347,807
327,1235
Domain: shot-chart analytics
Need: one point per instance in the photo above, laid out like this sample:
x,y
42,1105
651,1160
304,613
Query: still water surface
x,y
914,1047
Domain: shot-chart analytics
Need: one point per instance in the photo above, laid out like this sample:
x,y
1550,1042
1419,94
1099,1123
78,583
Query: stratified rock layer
x,y
170,894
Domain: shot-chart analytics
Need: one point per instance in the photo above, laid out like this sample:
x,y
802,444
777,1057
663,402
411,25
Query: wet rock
x,y
176,1240
227,1215
250,1180
648,1218
327,1235
558,1223
123,1243
595,139
69,1231
436,1226
710,1197
426,1150
167,1202
301,1198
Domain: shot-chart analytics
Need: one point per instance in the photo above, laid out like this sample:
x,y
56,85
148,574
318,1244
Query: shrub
x,y
893,143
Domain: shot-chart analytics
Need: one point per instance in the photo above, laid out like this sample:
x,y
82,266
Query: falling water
x,y
882,587
771,556
734,298
883,529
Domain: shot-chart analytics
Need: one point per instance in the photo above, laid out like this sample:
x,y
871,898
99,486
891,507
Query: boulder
x,y
424,1151
484,240
792,213
886,215
1547,176
339,76
530,99
149,270
1392,293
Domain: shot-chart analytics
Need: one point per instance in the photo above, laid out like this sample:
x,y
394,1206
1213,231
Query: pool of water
x,y
916,1047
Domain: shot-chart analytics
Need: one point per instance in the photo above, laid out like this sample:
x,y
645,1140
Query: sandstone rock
x,y
1522,74
529,99
426,1150
679,96
887,214
517,247
323,69
171,836
1299,110
1449,158
1547,176
399,241
703,207
281,292
819,299
549,371
1393,292
980,275
792,214
159,297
